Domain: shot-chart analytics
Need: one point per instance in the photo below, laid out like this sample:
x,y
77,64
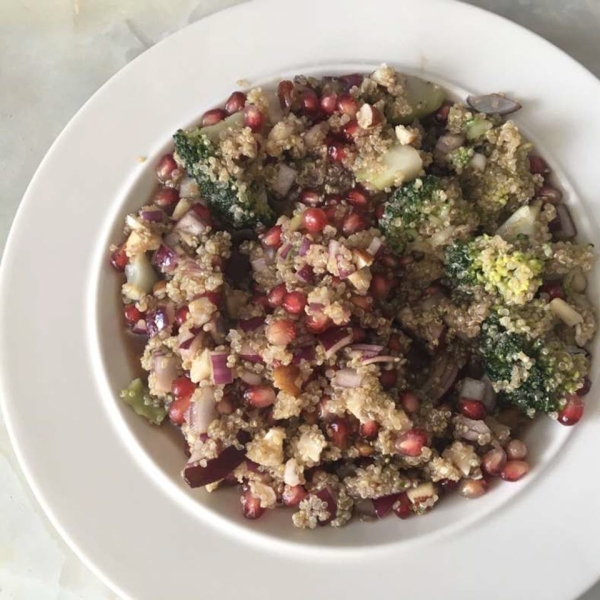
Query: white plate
x,y
110,484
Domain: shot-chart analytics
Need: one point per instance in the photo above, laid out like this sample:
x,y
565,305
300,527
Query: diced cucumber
x,y
399,164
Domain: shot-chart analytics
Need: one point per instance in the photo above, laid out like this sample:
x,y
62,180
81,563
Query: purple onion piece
x,y
217,468
221,373
378,359
165,259
140,328
251,324
348,378
191,224
367,350
493,104
375,247
165,371
563,227
285,250
306,274
383,505
328,498
304,246
157,320
335,339
301,354
152,215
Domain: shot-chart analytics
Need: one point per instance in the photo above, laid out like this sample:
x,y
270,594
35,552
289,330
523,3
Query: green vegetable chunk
x,y
137,396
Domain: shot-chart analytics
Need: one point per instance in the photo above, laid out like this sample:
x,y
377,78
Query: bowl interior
x,y
160,450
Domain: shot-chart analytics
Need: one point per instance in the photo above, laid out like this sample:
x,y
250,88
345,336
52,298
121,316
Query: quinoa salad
x,y
354,295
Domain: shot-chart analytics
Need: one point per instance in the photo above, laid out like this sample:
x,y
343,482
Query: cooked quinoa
x,y
354,294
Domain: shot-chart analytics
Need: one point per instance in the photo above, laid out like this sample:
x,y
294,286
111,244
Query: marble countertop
x,y
54,54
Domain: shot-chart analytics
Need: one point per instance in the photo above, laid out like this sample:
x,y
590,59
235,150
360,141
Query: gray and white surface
x,y
54,54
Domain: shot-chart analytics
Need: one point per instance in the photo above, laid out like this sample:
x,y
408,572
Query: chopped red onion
x,y
316,306
384,504
443,374
328,498
304,246
307,353
375,247
250,378
285,250
153,215
251,324
563,228
348,378
165,371
306,274
217,330
285,179
185,344
165,259
367,350
202,411
249,355
196,475
140,328
157,320
191,224
378,359
190,347
259,264
335,339
221,373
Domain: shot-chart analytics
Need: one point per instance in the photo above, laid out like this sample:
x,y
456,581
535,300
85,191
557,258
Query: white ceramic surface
x,y
92,470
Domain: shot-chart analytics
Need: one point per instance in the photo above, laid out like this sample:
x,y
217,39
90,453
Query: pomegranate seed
x,y
350,130
403,506
178,408
281,332
182,387
329,103
472,409
166,197
260,396
380,286
353,223
410,403
314,219
337,151
310,102
317,323
212,117
572,411
293,495
441,115
514,469
369,429
251,507
118,259
347,105
411,442
310,198
585,388
294,302
272,238
253,117
235,102
339,432
358,334
203,213
538,166
493,461
275,297
472,488
379,211
358,198
132,314
388,379
285,93
215,298
448,485
225,406
553,289
352,80
165,168
516,450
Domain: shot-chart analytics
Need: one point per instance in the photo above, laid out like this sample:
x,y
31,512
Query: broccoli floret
x,y
494,265
533,374
137,396
426,212
458,159
236,203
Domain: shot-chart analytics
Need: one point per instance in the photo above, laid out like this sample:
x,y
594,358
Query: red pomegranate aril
x,y
448,485
262,300
337,151
183,387
493,461
253,117
347,105
572,411
554,289
369,429
294,302
165,168
388,379
516,450
339,432
251,508
166,197
350,130
410,403
275,297
178,408
259,396
353,223
119,259
411,442
215,298
329,103
379,211
358,198
235,102
281,332
310,102
380,286
472,409
538,166
472,488
403,506
285,93
317,323
514,470
132,314
441,115
293,495
272,237
585,388
310,198
314,220
352,80
212,117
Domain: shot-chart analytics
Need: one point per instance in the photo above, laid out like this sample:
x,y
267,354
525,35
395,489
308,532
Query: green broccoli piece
x,y
236,203
532,374
137,396
426,212
458,159
494,265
